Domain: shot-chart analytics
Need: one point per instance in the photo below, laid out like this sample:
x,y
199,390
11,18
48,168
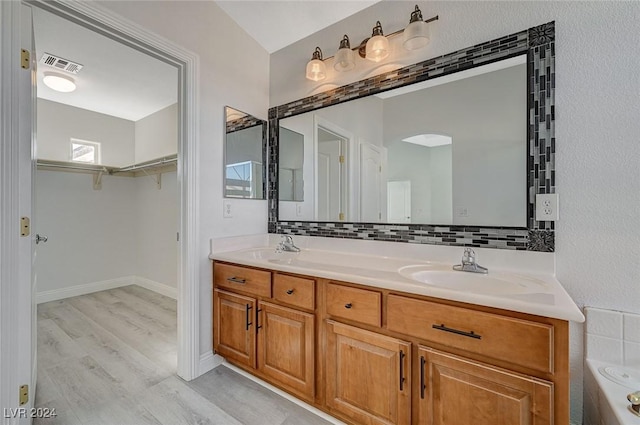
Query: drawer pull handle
x,y
290,291
349,305
470,334
237,280
423,385
402,355
246,317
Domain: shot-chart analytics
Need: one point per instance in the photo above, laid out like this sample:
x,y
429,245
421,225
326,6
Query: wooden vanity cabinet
x,y
272,341
373,356
234,333
286,343
454,390
368,375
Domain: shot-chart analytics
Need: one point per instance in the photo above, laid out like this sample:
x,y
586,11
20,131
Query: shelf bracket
x,y
159,181
97,180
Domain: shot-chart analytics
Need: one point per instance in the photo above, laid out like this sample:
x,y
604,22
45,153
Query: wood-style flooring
x,y
109,358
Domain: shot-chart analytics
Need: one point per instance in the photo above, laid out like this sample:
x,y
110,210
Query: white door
x,y
17,300
399,201
330,181
370,184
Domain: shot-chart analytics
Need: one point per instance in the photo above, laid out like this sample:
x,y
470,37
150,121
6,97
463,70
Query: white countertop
x,y
542,295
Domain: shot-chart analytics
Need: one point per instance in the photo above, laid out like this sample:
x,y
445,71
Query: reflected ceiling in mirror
x,y
447,151
244,155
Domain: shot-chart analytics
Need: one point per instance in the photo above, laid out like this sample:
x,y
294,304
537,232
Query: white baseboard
x,y
209,361
160,288
286,395
87,288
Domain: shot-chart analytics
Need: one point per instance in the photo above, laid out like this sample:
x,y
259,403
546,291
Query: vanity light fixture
x,y
377,47
416,34
59,82
316,69
345,59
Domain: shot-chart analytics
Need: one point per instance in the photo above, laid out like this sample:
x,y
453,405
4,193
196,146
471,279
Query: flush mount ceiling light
x,y
345,59
59,82
376,48
416,34
316,69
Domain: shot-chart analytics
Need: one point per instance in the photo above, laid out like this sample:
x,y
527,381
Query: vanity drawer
x,y
296,291
242,279
520,342
359,305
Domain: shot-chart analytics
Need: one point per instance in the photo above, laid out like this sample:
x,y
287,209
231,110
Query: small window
x,y
84,151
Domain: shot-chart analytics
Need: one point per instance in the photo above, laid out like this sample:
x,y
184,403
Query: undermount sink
x,y
491,283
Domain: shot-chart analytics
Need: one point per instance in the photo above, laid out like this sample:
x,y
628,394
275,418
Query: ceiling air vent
x,y
61,64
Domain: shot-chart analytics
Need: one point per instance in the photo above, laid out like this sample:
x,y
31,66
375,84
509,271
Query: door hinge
x,y
24,394
341,216
25,226
341,159
379,216
25,59
178,236
380,168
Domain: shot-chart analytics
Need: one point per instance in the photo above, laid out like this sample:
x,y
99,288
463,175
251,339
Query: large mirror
x,y
448,151
244,155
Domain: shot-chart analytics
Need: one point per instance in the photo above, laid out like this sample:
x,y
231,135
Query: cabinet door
x,y
286,347
234,334
454,391
367,375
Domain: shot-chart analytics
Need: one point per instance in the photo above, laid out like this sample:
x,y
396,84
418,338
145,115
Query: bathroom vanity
x,y
362,339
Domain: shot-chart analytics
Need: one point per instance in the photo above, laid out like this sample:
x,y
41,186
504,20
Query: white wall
x,y
156,227
127,228
156,135
234,71
597,127
58,123
91,232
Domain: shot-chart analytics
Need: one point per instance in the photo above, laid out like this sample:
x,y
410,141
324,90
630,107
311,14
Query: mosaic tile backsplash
x,y
539,45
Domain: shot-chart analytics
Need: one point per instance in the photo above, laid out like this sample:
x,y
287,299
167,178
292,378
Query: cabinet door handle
x,y
237,280
402,355
258,326
469,334
349,305
290,291
423,385
246,317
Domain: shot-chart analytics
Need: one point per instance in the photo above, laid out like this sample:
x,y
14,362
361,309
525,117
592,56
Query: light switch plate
x,y
547,207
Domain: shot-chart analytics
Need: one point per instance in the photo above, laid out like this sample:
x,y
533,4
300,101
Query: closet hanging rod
x,y
163,161
55,164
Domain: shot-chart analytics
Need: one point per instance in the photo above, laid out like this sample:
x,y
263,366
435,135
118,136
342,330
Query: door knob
x,y
42,239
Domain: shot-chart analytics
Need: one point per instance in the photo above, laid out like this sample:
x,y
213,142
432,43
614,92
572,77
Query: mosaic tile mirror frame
x,y
538,43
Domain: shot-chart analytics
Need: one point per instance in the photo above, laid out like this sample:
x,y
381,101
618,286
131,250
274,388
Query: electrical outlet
x,y
227,212
547,207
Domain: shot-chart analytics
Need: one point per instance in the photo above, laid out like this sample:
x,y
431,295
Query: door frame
x,y
348,174
112,25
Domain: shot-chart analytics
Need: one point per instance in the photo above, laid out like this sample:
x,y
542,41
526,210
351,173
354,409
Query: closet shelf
x,y
93,168
147,168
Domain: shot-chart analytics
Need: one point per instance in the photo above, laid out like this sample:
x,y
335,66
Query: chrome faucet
x,y
287,245
468,263
634,399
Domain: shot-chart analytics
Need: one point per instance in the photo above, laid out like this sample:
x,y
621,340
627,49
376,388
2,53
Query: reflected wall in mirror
x,y
291,166
447,151
244,155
